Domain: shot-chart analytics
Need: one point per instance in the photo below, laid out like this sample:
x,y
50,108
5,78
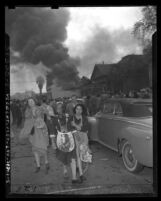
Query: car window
x,y
108,108
117,109
112,108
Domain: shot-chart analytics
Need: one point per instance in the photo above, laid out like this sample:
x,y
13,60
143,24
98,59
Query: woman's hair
x,y
84,110
35,100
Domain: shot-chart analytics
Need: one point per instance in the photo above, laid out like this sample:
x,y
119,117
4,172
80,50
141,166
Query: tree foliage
x,y
145,27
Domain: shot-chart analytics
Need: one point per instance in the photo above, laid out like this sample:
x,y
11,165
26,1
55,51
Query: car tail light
x,y
148,138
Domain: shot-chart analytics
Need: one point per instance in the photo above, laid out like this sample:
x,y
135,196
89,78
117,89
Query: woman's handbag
x,y
85,155
83,151
65,141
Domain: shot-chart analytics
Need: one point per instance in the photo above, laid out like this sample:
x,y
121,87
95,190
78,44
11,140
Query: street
x,y
106,174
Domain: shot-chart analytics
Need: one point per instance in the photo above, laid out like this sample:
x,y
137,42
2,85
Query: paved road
x,y
106,174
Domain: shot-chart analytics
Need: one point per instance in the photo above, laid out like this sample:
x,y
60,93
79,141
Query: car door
x,y
110,125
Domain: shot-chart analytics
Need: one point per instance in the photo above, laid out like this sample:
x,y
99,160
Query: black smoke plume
x,y
37,34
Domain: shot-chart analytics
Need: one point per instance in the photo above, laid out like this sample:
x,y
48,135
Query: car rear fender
x,y
141,142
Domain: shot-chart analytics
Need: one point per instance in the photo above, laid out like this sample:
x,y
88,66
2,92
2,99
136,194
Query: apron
x,y
64,140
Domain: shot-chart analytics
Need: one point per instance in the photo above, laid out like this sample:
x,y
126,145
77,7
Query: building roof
x,y
101,70
131,58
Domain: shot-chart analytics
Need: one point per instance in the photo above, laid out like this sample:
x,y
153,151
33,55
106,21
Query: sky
x,y
112,24
90,35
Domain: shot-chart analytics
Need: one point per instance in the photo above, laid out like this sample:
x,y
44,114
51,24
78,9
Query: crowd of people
x,y
92,103
43,121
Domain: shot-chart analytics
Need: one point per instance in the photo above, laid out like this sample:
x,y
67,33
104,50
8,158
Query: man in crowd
x,y
49,112
71,105
19,114
53,105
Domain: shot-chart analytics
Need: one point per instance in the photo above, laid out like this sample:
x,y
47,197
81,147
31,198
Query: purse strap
x,y
66,120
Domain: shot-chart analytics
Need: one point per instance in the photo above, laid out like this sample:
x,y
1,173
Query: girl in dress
x,y
39,139
79,122
60,122
35,128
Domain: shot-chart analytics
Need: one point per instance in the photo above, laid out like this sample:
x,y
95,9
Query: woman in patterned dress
x,y
79,122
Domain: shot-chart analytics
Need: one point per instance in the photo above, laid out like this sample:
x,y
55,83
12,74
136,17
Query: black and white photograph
x,y
80,98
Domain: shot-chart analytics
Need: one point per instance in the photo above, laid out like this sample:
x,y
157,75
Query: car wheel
x,y
129,160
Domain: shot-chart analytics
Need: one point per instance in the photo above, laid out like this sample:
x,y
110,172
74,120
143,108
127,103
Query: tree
x,y
40,82
144,28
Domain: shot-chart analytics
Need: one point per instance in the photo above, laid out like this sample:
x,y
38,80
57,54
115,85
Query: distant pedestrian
x,y
70,106
19,114
11,123
14,112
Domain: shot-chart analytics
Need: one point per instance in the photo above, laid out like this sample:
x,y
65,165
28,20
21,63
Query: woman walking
x,y
79,123
60,122
36,129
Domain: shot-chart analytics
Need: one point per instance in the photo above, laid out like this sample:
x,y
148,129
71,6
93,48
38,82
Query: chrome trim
x,y
133,122
138,129
107,145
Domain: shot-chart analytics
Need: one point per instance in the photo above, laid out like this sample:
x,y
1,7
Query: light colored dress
x,y
35,120
28,124
39,139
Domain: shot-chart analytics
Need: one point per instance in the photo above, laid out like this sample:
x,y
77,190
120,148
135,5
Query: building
x,y
130,73
100,78
55,92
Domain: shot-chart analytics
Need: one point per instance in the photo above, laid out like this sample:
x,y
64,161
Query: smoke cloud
x,y
108,47
37,35
23,77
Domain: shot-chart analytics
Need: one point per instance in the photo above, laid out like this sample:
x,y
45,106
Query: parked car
x,y
125,126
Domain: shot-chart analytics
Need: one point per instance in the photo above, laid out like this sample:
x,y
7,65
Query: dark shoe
x,y
76,181
77,170
37,169
65,175
82,178
47,168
